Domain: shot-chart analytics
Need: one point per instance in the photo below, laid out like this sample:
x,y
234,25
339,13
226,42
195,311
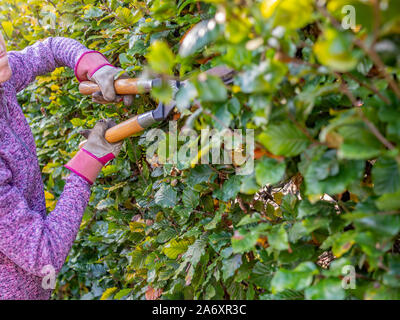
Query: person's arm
x,y
31,240
45,56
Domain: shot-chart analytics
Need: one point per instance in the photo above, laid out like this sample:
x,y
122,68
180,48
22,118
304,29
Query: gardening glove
x,y
92,65
104,77
95,152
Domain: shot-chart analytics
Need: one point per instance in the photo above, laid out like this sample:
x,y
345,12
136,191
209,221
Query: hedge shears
x,y
194,39
139,86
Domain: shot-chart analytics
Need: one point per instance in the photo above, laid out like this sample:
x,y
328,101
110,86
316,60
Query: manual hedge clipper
x,y
191,41
137,86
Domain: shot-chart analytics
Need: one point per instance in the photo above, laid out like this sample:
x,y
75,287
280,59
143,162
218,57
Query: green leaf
x,y
160,58
195,251
234,106
166,196
278,238
210,292
389,201
306,209
392,278
284,295
138,258
229,266
381,293
190,198
236,30
211,89
249,184
261,275
284,139
200,173
163,93
383,225
217,218
326,289
175,247
269,171
358,142
109,170
262,77
368,243
166,235
248,219
105,203
335,50
93,12
122,293
126,17
76,122
223,115
244,241
297,231
185,96
230,188
288,205
326,174
343,243
219,240
386,176
297,279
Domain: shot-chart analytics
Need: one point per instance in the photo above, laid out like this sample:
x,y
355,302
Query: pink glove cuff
x,y
85,165
88,63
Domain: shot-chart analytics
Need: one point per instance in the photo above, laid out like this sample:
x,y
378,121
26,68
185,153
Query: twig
x,y
369,87
241,205
380,65
368,123
298,125
370,51
382,266
377,21
389,212
217,120
199,11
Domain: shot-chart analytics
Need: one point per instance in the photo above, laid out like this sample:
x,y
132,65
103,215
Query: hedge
x,y
322,97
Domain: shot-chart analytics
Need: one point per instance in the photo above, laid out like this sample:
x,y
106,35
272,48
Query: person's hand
x,y
96,143
105,77
95,152
92,65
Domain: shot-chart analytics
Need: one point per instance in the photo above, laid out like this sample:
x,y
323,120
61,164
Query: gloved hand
x,y
95,153
92,65
104,77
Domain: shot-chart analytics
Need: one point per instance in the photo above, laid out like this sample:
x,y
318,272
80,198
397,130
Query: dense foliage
x,y
323,101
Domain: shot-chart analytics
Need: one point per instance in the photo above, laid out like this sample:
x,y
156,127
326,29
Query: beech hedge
x,y
316,81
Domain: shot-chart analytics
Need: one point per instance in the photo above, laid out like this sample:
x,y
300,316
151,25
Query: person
x,y
33,243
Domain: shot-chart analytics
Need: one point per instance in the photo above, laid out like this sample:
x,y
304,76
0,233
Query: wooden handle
x,y
122,86
123,130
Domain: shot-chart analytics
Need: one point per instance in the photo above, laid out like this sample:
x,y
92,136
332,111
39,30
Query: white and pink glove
x,y
93,66
95,153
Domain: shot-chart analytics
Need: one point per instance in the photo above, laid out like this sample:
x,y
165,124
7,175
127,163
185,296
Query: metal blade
x,y
163,110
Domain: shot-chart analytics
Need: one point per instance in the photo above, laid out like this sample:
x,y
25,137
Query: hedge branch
x,y
369,51
369,87
368,123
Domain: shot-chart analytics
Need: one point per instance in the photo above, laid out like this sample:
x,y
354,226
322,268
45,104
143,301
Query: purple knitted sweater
x,y
29,238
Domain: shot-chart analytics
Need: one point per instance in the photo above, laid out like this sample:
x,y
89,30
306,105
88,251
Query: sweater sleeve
x,y
43,57
33,240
